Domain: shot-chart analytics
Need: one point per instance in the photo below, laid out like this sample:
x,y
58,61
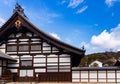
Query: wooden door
x,y
55,77
26,75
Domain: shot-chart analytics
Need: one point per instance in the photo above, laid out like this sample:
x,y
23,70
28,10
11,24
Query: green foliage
x,y
105,57
95,65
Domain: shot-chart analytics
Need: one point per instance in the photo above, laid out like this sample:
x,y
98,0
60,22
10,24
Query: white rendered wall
x,y
110,76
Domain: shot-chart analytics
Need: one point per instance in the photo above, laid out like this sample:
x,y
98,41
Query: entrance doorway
x,y
26,75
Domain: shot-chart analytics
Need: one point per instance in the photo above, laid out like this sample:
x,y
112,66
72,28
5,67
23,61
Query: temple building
x,y
28,53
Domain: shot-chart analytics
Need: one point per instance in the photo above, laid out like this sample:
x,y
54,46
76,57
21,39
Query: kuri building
x,y
28,53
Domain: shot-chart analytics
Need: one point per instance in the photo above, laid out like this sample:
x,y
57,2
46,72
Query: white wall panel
x,y
47,48
2,50
39,56
13,70
52,64
54,49
12,40
111,74
30,73
23,39
35,51
19,34
84,74
75,74
75,80
23,42
93,74
14,56
52,59
40,70
11,52
64,59
62,70
53,55
64,55
84,80
45,44
38,60
64,64
29,34
102,74
35,39
55,70
22,73
118,75
26,58
35,42
39,65
101,80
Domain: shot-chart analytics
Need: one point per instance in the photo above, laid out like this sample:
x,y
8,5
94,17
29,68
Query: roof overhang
x,y
4,56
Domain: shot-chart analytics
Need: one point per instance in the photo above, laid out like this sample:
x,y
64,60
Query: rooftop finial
x,y
19,9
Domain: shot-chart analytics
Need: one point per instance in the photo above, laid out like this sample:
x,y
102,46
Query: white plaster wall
x,y
52,59
64,59
22,73
40,70
13,70
2,50
39,65
39,60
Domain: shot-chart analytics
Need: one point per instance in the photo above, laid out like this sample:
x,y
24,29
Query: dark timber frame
x,y
39,56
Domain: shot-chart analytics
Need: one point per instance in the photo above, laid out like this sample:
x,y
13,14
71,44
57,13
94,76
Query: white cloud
x,y
55,35
107,40
1,21
86,45
75,3
63,1
43,15
82,9
111,2
9,2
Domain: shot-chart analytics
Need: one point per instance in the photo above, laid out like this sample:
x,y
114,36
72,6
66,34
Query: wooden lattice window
x,y
12,48
23,47
36,47
26,63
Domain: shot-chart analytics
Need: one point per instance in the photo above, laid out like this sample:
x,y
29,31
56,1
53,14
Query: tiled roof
x,y
95,68
5,56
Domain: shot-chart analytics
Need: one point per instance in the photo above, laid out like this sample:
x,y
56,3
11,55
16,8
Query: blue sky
x,y
92,23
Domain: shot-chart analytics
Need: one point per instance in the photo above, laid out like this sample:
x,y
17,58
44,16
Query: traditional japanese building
x,y
28,53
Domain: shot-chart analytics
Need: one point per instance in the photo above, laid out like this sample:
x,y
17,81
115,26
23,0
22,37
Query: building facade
x,y
27,53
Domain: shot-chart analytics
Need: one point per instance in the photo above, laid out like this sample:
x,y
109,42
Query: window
x,y
12,48
26,63
23,48
36,47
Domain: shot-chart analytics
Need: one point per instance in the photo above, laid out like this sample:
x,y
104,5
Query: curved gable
x,y
19,24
